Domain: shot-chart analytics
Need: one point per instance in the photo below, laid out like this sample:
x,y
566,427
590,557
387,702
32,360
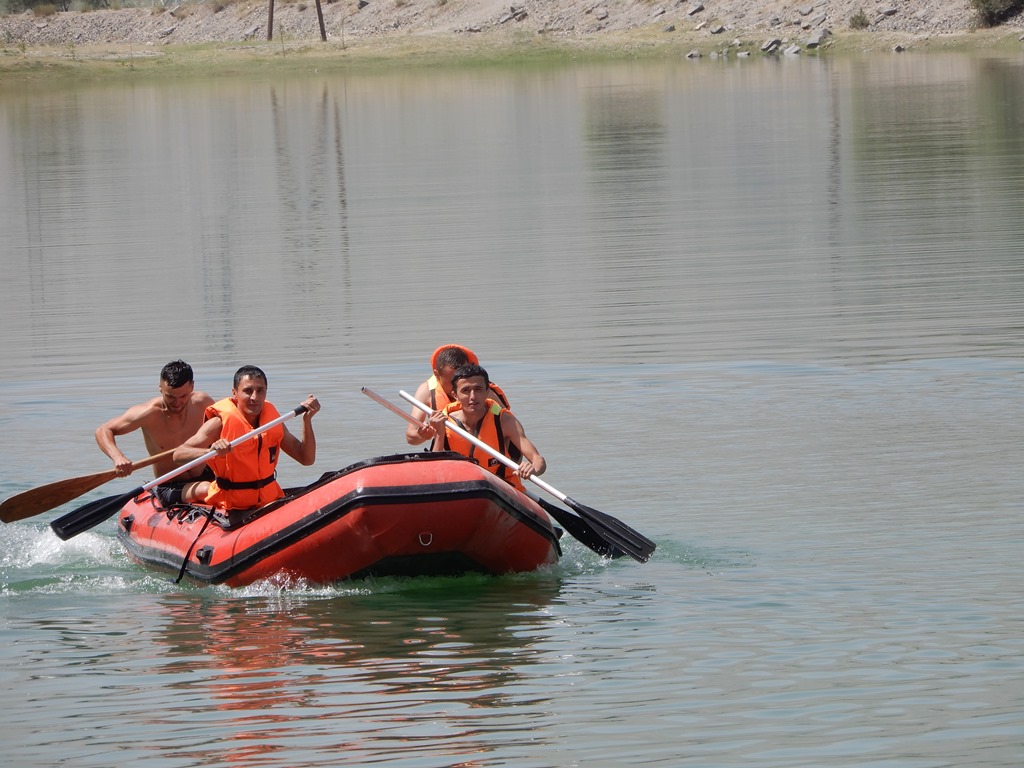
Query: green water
x,y
767,312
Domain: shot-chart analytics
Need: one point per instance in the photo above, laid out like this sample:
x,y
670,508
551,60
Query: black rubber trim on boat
x,y
338,508
238,518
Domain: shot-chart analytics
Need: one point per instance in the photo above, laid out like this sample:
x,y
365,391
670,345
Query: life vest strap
x,y
249,485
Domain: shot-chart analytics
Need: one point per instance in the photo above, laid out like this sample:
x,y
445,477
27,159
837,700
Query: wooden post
x,y
320,18
270,22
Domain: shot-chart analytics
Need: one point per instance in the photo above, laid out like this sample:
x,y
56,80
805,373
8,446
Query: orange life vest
x,y
439,398
491,434
470,355
246,476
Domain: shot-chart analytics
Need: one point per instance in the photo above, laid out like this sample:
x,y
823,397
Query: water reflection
x,y
1000,100
629,212
375,669
295,225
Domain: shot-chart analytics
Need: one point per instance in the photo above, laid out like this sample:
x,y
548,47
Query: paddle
x,y
612,531
35,501
391,406
94,513
577,527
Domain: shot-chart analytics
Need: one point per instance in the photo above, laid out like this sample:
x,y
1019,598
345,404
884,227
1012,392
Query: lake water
x,y
768,312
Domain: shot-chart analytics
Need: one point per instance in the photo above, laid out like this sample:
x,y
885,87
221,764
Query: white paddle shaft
x,y
391,406
454,427
237,441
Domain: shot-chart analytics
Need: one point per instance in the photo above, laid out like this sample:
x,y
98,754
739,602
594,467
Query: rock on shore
x,y
224,21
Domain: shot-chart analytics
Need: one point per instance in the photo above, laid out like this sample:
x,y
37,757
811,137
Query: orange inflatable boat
x,y
411,514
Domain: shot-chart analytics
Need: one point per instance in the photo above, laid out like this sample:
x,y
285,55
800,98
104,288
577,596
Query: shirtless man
x,y
166,421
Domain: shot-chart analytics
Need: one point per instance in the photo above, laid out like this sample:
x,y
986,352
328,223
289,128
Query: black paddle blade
x,y
581,530
90,515
616,532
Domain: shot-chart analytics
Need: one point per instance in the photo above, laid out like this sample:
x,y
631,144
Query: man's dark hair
x,y
468,372
176,373
451,357
249,370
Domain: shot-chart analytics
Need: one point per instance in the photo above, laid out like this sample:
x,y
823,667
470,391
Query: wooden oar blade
x,y
90,515
35,501
629,540
581,530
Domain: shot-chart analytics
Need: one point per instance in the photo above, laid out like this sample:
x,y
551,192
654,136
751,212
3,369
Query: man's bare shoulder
x,y
423,392
509,418
131,419
202,399
141,415
149,408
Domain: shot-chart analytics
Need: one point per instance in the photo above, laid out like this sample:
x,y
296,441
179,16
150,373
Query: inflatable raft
x,y
404,515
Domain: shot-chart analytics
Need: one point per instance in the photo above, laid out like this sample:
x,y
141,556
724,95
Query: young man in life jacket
x,y
244,476
437,391
166,421
488,421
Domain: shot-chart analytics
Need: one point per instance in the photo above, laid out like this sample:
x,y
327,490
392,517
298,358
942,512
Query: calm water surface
x,y
767,312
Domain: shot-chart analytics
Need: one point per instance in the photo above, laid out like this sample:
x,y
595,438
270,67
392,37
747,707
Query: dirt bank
x,y
401,27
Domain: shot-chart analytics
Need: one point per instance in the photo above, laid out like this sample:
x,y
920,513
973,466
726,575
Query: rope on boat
x,y
188,554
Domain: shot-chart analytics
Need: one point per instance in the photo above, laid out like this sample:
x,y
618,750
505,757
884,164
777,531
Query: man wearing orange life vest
x,y
437,390
245,476
488,421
